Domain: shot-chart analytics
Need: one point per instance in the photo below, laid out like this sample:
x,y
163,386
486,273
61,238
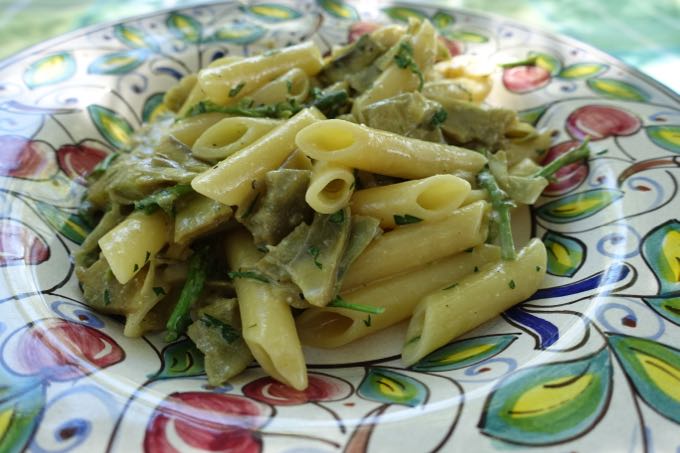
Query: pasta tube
x,y
383,152
330,188
230,135
233,181
445,314
133,242
397,295
268,326
425,199
230,82
293,85
189,129
414,245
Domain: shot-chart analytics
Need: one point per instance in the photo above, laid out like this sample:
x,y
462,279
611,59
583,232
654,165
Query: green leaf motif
x,y
153,107
617,89
578,206
387,386
667,137
21,402
49,70
668,307
442,20
565,254
551,403
242,33
403,14
532,115
661,252
579,71
134,37
339,9
181,359
185,27
114,128
467,36
654,370
121,62
272,12
464,353
548,62
67,223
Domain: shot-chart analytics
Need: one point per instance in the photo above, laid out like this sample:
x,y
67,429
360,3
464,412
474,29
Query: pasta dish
x,y
291,198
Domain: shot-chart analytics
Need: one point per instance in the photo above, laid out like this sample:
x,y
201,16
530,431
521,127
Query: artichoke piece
x,y
409,114
197,215
468,123
217,334
281,208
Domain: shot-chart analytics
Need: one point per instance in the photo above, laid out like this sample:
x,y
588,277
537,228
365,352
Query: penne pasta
x,y
428,199
445,314
268,326
397,295
414,245
189,129
330,188
234,181
133,242
230,82
383,152
230,135
293,85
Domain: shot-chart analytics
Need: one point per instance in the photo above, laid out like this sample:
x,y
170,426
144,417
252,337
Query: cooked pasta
x,y
356,191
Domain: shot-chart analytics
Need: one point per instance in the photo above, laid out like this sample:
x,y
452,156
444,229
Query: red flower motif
x,y
61,350
320,388
522,79
601,121
20,245
207,421
569,176
455,47
78,161
21,157
357,29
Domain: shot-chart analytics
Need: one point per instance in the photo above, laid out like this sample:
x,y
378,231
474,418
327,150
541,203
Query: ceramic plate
x,y
591,361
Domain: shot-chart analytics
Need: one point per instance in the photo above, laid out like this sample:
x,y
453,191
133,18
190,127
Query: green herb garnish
x,y
159,291
339,302
438,118
367,321
237,89
248,274
228,332
314,251
337,217
406,219
404,59
511,284
107,297
163,199
501,204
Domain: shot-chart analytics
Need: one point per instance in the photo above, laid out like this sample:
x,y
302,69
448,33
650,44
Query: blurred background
x,y
643,33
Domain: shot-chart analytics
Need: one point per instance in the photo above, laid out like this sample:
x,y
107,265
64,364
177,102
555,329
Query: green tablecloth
x,y
645,34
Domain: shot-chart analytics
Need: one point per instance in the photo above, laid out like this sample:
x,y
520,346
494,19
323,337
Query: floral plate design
x,y
591,361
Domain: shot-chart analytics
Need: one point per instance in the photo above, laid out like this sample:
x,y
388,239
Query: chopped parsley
x,y
538,268
107,297
228,332
148,255
438,118
404,59
406,219
289,86
512,284
163,199
337,217
237,89
159,291
476,269
339,302
135,268
314,252
367,321
248,274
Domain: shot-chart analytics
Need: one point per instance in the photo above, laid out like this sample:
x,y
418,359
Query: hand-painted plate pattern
x,y
591,361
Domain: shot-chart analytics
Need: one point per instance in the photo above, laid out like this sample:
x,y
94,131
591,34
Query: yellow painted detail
x,y
671,252
271,12
550,396
561,253
663,374
5,419
120,134
466,353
